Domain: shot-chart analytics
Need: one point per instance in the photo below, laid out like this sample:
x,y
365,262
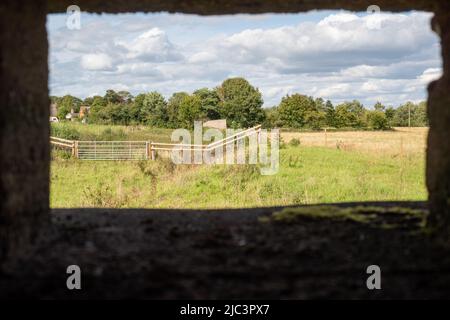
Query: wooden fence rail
x,y
140,150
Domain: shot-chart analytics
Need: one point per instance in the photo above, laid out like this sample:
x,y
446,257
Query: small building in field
x,y
72,115
84,111
220,124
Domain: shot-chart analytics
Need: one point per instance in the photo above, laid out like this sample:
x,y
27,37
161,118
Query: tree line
x,y
241,104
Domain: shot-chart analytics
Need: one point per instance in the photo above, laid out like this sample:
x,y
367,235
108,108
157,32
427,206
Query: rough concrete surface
x,y
228,254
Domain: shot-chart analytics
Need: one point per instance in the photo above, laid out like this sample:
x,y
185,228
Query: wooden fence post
x,y
153,152
75,149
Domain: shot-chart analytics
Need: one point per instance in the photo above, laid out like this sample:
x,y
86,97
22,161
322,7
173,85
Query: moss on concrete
x,y
360,214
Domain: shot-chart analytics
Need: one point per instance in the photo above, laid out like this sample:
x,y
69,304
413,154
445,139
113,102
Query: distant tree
x,y
272,118
88,101
136,108
329,114
379,107
210,102
112,97
411,112
421,115
300,111
350,114
125,97
190,111
66,104
390,113
119,113
320,104
54,99
315,119
154,110
377,120
173,108
240,103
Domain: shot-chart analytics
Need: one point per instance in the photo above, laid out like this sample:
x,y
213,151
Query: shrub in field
x,y
58,154
282,144
294,142
64,131
102,195
112,135
294,161
269,190
377,120
155,169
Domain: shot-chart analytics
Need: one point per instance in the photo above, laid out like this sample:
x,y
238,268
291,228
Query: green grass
x,y
307,175
79,131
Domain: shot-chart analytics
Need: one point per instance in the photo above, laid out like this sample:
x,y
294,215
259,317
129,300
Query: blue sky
x,y
336,55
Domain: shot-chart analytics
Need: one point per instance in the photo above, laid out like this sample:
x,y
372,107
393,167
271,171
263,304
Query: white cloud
x,y
152,45
202,57
430,74
96,61
338,57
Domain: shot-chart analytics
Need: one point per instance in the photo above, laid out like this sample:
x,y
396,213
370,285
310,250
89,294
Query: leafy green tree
x,y
272,118
190,111
379,107
88,101
135,109
173,108
125,97
240,103
119,114
320,104
300,111
377,120
350,114
315,119
54,99
154,109
98,112
421,115
112,97
411,112
210,102
66,104
329,114
390,113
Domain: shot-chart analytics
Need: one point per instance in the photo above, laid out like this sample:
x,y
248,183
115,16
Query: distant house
x,y
53,113
84,111
53,110
217,124
72,115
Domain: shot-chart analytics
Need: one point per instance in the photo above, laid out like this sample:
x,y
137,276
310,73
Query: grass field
x,y
78,131
344,166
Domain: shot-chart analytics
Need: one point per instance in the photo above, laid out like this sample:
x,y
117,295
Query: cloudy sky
x,y
336,55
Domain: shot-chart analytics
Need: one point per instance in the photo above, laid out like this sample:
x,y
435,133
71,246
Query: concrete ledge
x,y
162,254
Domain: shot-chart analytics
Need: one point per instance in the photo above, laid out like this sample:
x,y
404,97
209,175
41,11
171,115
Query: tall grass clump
x,y
64,131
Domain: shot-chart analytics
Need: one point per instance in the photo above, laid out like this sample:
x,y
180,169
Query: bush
x,y
378,120
112,135
294,142
65,131
58,154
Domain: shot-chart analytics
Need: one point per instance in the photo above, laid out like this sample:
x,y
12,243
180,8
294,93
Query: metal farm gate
x,y
140,150
112,150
